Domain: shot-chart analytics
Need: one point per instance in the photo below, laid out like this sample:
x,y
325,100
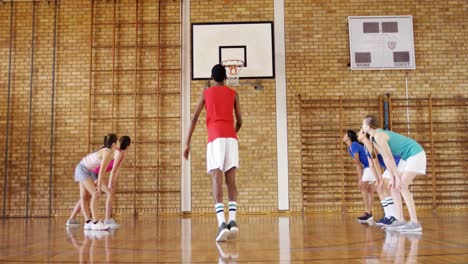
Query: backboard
x,y
251,42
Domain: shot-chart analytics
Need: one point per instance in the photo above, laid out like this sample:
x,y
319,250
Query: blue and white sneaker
x,y
381,221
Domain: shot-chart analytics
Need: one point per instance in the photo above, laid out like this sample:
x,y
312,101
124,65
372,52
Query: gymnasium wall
x,y
317,54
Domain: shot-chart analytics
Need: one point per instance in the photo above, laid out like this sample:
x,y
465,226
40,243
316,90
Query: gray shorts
x,y
82,173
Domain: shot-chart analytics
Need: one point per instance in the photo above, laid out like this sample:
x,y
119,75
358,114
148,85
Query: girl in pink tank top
x,y
108,187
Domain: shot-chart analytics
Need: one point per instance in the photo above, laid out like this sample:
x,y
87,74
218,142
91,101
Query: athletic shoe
x,y
387,221
72,222
395,225
233,230
111,223
362,216
411,227
223,232
381,221
366,218
88,226
99,226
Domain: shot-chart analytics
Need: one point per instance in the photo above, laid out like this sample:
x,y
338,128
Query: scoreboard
x,y
381,43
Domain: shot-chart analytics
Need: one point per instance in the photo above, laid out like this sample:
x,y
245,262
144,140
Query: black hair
x,y
109,140
352,135
218,73
125,141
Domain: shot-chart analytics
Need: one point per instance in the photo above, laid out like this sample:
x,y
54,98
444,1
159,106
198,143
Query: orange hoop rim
x,y
234,65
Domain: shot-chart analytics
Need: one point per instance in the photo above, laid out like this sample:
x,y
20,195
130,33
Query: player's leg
x,y
89,185
231,164
109,199
368,194
214,161
407,179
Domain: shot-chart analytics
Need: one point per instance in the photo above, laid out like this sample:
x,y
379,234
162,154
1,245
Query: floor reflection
x,y
92,245
228,251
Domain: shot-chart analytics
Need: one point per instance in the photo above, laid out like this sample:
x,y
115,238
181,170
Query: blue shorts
x,y
82,173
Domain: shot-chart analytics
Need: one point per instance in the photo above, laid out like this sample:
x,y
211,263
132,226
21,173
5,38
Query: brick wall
x,y
317,54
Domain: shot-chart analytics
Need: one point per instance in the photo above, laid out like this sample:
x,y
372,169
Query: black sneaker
x,y
223,232
233,230
365,218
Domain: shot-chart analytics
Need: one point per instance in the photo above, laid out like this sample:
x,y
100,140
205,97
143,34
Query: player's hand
x,y
187,152
380,185
397,183
391,183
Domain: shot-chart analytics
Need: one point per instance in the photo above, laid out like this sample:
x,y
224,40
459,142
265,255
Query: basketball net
x,y
233,68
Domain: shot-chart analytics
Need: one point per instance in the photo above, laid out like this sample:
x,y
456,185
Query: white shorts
x,y
368,176
401,165
223,154
417,163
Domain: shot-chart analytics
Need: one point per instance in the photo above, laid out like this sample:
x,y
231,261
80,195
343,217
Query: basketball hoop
x,y
233,68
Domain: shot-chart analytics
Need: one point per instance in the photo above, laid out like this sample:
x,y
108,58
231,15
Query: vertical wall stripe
x,y
281,108
186,183
52,111
7,133
31,84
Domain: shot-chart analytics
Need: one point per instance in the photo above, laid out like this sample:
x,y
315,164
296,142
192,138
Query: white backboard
x,y
381,43
251,42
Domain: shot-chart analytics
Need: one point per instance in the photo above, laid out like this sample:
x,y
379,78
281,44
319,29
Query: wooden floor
x,y
314,238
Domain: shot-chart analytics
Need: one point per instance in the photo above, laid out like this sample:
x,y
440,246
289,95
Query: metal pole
x,y
407,106
52,111
159,96
91,35
5,179
341,158
113,67
433,161
302,157
135,91
31,78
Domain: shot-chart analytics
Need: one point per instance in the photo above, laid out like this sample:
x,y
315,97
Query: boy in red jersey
x,y
222,154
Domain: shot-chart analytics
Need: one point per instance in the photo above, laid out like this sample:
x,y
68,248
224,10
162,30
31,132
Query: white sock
x,y
390,206
232,205
385,208
219,207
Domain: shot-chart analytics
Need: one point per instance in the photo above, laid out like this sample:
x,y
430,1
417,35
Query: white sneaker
x,y
87,226
99,226
111,223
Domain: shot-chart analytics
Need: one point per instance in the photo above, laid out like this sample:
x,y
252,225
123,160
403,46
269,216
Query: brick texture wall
x,y
317,54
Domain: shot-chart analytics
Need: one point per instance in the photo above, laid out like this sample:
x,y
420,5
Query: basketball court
x,y
310,238
303,72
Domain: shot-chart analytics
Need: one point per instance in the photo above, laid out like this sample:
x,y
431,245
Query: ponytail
x,y
110,139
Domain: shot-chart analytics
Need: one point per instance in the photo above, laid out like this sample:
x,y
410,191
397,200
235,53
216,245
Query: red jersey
x,y
219,105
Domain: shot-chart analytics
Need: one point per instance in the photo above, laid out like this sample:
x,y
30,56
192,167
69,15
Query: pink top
x,y
109,166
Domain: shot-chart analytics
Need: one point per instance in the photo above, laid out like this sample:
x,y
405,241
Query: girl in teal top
x,y
390,143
